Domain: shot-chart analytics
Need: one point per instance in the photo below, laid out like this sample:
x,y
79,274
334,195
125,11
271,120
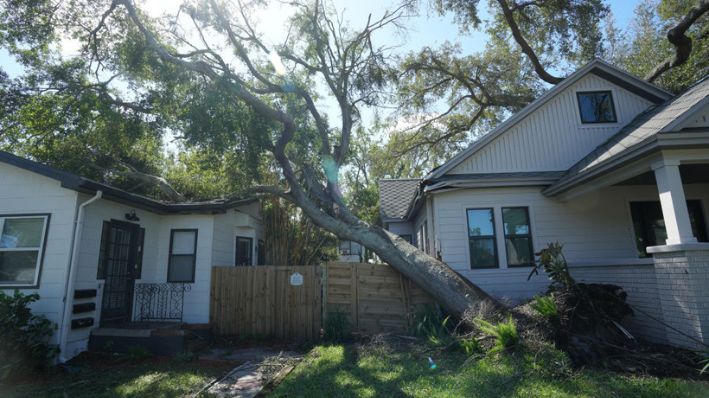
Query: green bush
x,y
429,323
545,306
24,343
337,326
469,345
505,333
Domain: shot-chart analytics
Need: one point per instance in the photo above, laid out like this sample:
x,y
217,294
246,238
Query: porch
x,y
672,231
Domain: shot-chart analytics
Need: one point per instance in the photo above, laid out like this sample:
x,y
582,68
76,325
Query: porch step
x,y
157,341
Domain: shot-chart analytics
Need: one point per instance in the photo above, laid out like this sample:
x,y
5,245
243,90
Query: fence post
x,y
354,288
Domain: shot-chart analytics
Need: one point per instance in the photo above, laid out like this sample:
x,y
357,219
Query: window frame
x,y
493,237
578,106
194,253
528,235
40,250
236,251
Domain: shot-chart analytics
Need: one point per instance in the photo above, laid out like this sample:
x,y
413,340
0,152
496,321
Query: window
x,y
183,255
407,237
596,107
244,250
422,237
481,238
348,247
649,224
518,236
22,242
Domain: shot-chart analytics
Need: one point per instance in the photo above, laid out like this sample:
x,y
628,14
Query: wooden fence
x,y
263,301
375,297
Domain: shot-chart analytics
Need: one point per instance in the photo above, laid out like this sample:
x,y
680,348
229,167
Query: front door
x,y
119,259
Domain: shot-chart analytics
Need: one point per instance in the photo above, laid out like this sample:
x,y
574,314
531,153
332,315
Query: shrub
x,y
469,345
505,333
545,306
137,352
337,326
430,324
24,343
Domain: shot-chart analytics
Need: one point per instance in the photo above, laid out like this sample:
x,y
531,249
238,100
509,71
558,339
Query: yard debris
x,y
249,379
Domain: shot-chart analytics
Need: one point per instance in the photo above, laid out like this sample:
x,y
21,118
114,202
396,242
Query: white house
x,y
610,166
100,256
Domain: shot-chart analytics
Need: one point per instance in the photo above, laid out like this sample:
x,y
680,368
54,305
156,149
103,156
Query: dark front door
x,y
119,254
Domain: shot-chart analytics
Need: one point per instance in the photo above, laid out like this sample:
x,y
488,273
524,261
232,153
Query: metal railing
x,y
160,301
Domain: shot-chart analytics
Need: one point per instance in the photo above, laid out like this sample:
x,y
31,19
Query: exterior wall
x,y
87,260
23,192
683,277
698,120
553,138
402,228
641,285
594,229
243,221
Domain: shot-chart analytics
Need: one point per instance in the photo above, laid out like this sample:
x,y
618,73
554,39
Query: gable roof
x,y
395,196
85,185
597,67
661,118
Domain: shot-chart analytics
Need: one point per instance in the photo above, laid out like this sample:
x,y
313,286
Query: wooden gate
x,y
375,297
263,301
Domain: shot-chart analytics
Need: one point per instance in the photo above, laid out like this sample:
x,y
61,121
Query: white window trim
x,y
40,250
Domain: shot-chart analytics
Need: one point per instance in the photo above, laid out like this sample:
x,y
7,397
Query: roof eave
x,y
660,141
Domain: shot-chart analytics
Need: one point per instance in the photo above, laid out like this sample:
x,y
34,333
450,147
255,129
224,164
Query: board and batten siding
x,y
594,229
24,192
552,138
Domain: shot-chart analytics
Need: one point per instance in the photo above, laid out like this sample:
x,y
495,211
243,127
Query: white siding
x,y
699,119
24,192
402,228
196,308
242,221
87,260
594,229
552,138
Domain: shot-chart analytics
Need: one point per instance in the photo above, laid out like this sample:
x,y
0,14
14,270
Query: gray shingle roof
x,y
646,125
395,195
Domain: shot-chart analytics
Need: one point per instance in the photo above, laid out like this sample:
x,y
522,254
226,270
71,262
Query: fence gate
x,y
375,297
279,301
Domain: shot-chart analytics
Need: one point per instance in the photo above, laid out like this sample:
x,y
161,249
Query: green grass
x,y
346,371
153,378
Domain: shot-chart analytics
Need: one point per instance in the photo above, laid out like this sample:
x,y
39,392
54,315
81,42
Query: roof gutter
x,y
70,283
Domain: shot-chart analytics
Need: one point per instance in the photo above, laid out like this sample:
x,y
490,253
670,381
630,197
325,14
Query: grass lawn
x,y
149,377
356,371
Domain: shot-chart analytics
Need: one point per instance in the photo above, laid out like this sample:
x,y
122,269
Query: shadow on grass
x,y
347,372
154,378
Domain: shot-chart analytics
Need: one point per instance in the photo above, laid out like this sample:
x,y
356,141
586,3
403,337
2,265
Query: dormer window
x,y
596,107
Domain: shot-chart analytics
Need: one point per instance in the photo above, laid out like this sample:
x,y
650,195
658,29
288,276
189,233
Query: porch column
x,y
673,202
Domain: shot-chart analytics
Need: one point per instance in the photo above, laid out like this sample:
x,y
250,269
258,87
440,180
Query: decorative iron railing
x,y
160,301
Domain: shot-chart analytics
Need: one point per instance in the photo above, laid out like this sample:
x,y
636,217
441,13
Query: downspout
x,y
71,277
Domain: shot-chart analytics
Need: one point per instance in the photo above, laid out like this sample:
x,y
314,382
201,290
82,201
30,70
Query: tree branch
x,y
524,45
679,39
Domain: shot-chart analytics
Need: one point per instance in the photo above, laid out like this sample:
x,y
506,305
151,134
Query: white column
x,y
673,202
